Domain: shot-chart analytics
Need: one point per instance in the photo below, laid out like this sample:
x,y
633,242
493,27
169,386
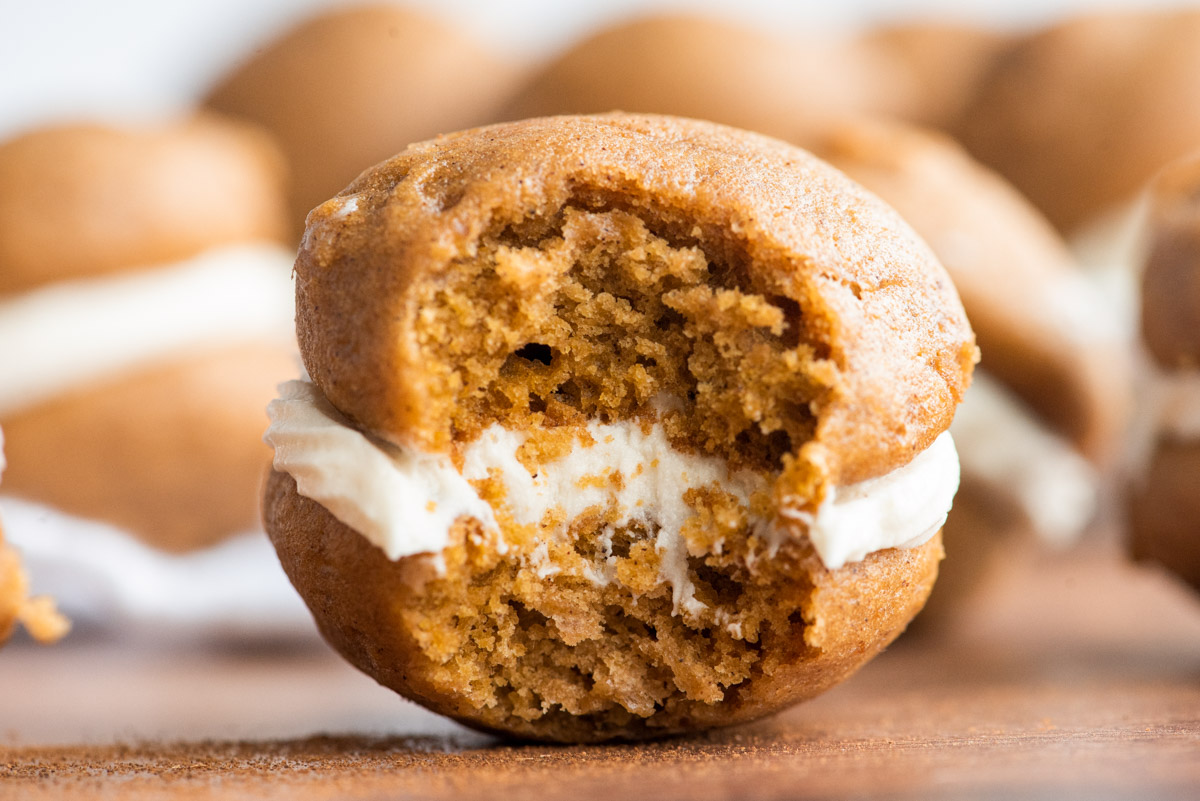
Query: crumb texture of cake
x,y
598,317
39,615
596,406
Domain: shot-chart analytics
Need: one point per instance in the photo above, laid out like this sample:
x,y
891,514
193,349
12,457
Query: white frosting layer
x,y
1087,309
1000,443
1175,399
1111,248
653,477
1168,406
64,335
402,501
901,509
405,502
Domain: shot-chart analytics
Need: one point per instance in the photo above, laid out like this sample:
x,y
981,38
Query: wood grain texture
x,y
1069,678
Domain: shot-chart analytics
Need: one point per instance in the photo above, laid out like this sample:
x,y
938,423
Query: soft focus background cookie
x,y
83,200
1166,480
169,452
1054,385
143,322
938,68
351,87
1043,328
1081,115
708,69
1171,279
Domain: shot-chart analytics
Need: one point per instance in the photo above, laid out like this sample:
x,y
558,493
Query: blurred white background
x,y
71,59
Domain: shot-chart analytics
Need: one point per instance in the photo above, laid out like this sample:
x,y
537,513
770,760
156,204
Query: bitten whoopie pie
x,y
614,426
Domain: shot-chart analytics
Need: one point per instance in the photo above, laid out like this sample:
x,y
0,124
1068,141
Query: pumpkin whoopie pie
x,y
617,426
142,327
1166,491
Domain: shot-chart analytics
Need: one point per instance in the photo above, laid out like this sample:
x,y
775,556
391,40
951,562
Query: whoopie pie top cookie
x,y
84,200
870,300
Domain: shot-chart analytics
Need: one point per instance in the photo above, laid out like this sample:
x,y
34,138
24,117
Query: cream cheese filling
x,y
405,502
1001,444
1173,398
1111,249
1168,407
62,336
900,509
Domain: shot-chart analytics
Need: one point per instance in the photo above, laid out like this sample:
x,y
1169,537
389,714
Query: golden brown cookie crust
x,y
355,594
1080,116
864,290
1171,281
170,452
1011,270
85,200
349,88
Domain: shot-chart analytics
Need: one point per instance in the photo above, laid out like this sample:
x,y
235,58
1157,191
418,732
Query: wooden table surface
x,y
1068,677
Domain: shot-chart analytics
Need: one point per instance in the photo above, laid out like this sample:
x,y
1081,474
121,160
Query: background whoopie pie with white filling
x,y
144,322
1165,504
